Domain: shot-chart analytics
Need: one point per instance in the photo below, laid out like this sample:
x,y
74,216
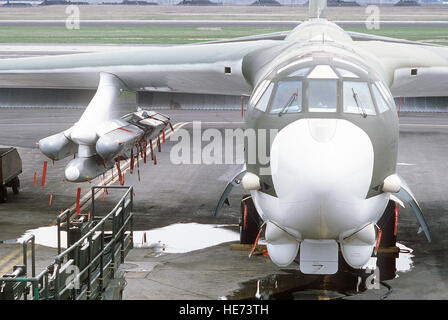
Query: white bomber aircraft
x,y
329,93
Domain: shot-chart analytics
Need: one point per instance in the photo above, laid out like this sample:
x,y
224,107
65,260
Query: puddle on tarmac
x,y
175,238
184,237
292,284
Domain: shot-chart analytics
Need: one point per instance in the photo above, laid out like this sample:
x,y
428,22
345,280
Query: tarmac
x,y
173,200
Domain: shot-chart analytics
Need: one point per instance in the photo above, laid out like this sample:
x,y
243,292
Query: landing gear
x,y
386,262
250,221
387,226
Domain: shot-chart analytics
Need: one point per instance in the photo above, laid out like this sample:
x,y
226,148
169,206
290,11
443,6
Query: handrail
x,y
41,284
102,221
98,259
23,278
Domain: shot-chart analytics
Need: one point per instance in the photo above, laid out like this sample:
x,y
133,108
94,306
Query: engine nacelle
x,y
118,141
85,169
57,146
99,147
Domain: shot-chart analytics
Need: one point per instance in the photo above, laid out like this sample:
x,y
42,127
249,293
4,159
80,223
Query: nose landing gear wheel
x,y
250,221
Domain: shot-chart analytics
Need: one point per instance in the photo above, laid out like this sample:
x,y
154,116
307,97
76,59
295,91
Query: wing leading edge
x,y
202,68
411,69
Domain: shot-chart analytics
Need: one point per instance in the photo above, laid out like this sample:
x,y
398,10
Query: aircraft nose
x,y
317,162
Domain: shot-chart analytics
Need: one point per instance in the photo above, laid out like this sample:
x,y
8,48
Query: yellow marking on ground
x,y
11,264
11,255
17,260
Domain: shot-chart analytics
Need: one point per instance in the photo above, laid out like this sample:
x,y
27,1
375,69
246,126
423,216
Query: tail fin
x,y
317,9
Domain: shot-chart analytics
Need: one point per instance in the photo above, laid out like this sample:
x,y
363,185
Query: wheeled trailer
x,y
10,168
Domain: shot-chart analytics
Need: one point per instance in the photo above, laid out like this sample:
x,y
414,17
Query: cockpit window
x,y
346,74
258,92
357,98
386,93
323,95
264,100
380,101
288,97
299,73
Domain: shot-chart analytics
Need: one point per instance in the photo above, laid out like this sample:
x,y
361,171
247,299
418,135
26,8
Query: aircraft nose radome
x,y
320,163
322,130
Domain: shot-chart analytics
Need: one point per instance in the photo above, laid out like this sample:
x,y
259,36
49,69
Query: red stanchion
x,y
78,198
378,241
44,173
255,243
51,200
131,169
152,149
397,207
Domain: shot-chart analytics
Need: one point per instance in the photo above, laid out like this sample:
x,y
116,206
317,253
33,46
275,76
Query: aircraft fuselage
x,y
330,128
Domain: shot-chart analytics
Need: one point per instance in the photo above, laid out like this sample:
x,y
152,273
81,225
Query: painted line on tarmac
x,y
10,263
6,259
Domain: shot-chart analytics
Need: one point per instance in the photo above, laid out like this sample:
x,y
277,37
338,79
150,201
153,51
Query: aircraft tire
x,y
16,185
249,225
3,194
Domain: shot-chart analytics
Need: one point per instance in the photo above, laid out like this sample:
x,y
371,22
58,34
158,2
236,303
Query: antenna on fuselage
x,y
317,9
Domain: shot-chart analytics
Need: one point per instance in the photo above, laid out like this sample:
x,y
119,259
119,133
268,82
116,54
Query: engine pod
x,y
57,146
118,141
84,169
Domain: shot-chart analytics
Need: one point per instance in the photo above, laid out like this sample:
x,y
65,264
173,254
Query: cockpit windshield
x,y
323,95
288,97
357,98
321,88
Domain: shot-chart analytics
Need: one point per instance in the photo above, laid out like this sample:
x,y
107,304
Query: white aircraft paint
x,y
337,170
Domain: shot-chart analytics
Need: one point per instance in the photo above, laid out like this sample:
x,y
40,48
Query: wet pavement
x,y
170,195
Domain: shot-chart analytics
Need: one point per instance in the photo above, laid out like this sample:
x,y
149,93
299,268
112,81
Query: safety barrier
x,y
95,249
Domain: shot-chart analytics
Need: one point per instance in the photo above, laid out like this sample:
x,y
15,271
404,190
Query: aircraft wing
x,y
213,68
411,69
